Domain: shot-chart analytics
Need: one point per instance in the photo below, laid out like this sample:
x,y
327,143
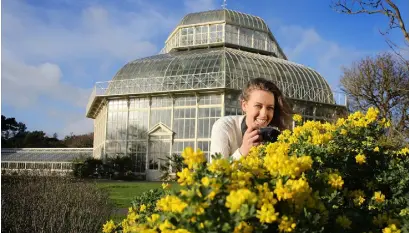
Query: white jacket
x,y
227,137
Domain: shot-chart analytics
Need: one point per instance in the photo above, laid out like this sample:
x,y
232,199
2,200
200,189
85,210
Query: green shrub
x,y
175,162
117,168
148,199
320,177
90,167
52,204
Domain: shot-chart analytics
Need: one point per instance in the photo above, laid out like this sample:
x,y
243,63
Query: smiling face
x,y
259,108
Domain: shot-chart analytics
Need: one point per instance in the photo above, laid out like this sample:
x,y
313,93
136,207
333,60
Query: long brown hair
x,y
282,110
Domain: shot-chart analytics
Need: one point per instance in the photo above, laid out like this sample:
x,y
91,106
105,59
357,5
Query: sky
x,y
53,51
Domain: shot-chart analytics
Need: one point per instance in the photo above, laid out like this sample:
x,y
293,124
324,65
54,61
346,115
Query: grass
x,y
122,192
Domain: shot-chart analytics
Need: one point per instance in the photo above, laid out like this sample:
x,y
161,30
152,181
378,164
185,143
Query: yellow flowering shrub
x,y
319,177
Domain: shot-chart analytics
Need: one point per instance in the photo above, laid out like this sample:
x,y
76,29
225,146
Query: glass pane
x,y
158,150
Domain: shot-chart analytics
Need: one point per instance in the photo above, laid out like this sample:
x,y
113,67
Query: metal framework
x,y
42,159
159,105
217,68
223,27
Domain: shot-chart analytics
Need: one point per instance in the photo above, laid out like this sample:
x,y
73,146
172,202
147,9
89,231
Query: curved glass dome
x,y
223,28
157,106
218,68
228,16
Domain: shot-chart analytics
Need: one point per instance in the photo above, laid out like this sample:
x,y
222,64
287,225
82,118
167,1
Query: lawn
x,y
122,192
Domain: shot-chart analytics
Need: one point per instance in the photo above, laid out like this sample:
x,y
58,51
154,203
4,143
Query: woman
x,y
263,105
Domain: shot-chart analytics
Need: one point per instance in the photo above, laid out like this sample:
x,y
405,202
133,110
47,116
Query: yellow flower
x,y
386,123
376,149
199,209
132,217
238,197
142,208
360,159
265,195
371,114
335,181
340,122
359,200
359,197
166,185
193,158
279,163
297,118
147,231
171,204
253,162
404,212
403,151
211,195
240,179
153,218
108,227
391,229
166,225
181,231
267,213
219,166
286,224
243,227
185,177
378,197
344,222
205,181
298,190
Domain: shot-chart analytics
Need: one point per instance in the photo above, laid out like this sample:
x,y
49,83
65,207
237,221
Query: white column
x,y
196,118
208,34
128,102
104,156
223,108
224,33
147,140
171,127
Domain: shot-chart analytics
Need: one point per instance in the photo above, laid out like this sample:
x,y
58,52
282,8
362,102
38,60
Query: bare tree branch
x,y
384,7
381,82
399,19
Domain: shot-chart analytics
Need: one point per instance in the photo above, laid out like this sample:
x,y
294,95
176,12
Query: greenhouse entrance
x,y
160,138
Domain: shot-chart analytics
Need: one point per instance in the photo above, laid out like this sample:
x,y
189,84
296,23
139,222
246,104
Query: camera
x,y
269,134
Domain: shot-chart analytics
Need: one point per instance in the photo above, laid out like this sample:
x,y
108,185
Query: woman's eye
x,y
271,109
258,106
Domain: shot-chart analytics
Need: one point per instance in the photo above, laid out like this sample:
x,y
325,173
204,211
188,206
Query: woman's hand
x,y
250,139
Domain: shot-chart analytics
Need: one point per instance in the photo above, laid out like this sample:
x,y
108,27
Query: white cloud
x,y
23,85
306,46
80,125
72,122
40,44
97,31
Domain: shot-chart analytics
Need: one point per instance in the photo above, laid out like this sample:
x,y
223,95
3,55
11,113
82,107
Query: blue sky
x,y
53,51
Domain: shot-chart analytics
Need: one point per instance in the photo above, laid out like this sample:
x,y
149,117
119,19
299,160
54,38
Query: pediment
x,y
160,129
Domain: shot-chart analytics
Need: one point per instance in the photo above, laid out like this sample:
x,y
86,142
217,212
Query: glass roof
x,y
229,16
46,155
237,67
212,51
223,27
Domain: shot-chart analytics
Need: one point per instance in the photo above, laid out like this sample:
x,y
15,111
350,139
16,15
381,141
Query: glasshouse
x,y
57,160
156,106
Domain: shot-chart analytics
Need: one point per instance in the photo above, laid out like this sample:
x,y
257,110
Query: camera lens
x,y
269,134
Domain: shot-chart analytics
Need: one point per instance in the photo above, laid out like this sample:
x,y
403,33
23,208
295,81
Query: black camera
x,y
269,134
